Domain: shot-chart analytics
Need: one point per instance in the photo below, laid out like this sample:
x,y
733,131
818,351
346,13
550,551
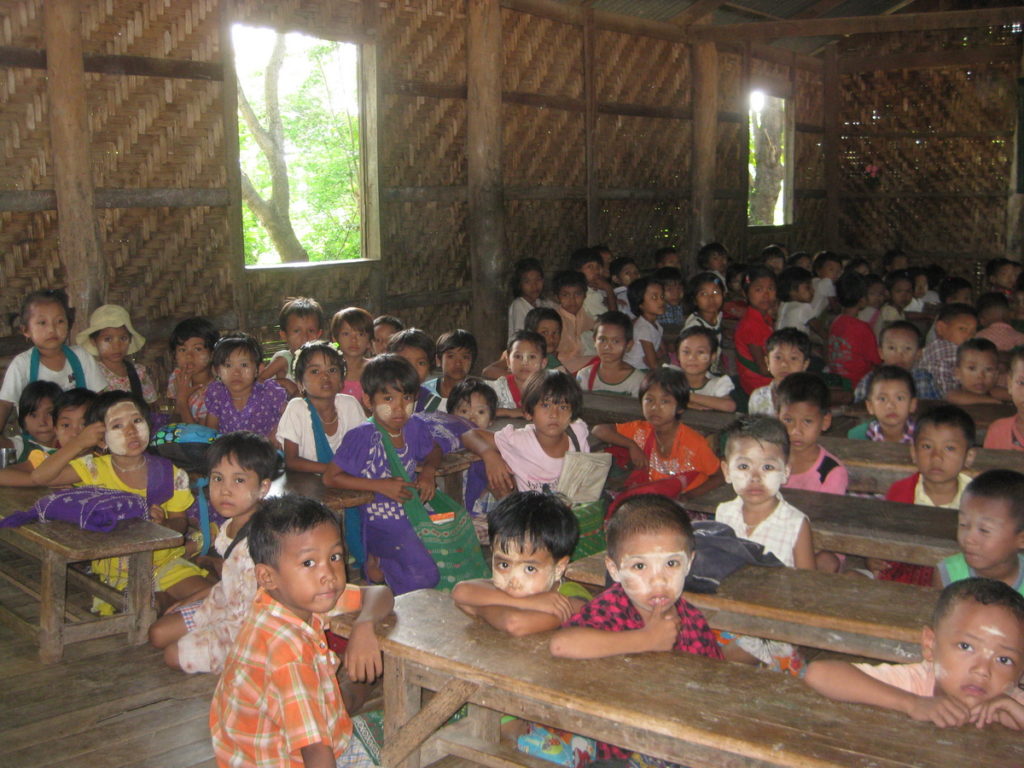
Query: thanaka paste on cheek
x,y
115,439
382,412
410,408
655,576
741,479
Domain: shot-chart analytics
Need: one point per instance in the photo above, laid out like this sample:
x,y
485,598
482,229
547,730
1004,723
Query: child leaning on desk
x,y
278,701
532,535
973,655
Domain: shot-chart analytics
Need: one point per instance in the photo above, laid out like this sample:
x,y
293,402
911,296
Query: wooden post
x,y
744,173
1014,245
483,154
590,127
233,168
830,146
704,66
77,229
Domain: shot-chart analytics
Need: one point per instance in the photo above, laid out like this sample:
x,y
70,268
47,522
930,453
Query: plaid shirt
x,y
939,359
613,611
874,432
924,386
278,692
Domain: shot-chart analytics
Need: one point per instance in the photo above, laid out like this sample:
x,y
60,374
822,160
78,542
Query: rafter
x,y
818,9
697,12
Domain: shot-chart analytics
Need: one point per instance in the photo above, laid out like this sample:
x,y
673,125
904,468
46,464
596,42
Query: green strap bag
x,y
443,526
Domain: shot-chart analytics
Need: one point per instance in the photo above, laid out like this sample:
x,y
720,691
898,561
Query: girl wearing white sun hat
x,y
111,338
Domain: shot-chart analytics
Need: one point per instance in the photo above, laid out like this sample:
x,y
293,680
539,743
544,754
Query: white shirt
x,y
297,424
777,533
717,386
795,314
824,289
643,330
595,302
16,378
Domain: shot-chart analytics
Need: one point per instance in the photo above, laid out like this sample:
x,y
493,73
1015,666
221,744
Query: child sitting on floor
x,y
530,458
312,427
526,353
955,324
990,532
660,446
384,327
236,400
301,320
892,400
192,342
352,329
755,463
576,346
1008,433
456,354
973,652
994,322
613,338
278,701
788,351
852,347
390,385
116,422
697,352
532,535
111,338
804,410
647,302
198,634
900,344
977,366
418,348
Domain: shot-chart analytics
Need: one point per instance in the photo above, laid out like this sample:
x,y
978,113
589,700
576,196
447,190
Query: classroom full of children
x,y
786,352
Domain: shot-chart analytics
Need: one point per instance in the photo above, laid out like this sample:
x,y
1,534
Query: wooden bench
x,y
983,414
677,707
57,545
909,533
847,614
873,467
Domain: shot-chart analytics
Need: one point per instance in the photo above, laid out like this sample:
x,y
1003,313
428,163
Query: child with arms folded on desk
x,y
613,338
990,532
532,535
526,354
973,655
788,351
1008,433
697,352
891,400
943,448
900,344
660,446
278,702
977,366
756,464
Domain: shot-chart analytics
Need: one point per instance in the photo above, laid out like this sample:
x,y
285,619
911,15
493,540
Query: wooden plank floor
x,y
106,704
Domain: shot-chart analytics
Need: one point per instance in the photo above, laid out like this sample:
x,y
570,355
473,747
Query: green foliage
x,y
319,113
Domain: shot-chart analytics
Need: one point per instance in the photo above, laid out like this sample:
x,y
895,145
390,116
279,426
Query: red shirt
x,y
753,330
852,348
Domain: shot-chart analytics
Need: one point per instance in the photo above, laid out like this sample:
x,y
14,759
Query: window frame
x,y
780,89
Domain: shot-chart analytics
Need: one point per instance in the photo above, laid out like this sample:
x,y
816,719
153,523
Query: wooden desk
x,y
909,533
983,414
878,619
56,545
677,707
873,467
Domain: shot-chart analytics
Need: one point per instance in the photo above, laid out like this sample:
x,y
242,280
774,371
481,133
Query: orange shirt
x,y
690,453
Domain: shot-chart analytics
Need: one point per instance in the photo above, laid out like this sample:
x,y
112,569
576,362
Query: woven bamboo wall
x,y
942,141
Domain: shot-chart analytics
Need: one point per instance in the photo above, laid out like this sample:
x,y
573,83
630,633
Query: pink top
x,y
917,678
1002,335
826,476
353,388
1003,434
532,467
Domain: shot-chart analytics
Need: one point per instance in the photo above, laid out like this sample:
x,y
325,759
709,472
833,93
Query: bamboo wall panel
x,y
639,227
642,152
807,233
931,40
427,246
334,288
730,83
768,69
731,225
423,141
21,23
548,230
541,55
29,259
423,41
182,29
730,157
435,319
808,97
543,146
630,69
24,131
809,170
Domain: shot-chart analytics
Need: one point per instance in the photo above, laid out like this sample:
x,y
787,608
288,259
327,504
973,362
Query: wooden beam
x,y
696,13
594,233
77,227
830,145
1015,201
815,10
146,66
946,59
754,12
232,166
704,73
25,200
858,25
484,52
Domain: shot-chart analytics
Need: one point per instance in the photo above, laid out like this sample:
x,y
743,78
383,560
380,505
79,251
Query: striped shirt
x,y
278,692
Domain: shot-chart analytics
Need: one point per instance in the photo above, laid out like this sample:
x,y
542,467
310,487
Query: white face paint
x,y
652,569
521,573
755,469
410,408
995,631
383,412
127,432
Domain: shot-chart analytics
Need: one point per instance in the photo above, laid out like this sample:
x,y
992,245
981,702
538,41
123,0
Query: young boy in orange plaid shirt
x,y
278,703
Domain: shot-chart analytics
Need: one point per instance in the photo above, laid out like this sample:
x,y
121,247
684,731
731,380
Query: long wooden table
x,y
57,545
686,709
909,533
848,614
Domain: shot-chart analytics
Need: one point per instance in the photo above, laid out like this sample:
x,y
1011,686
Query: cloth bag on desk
x,y
443,526
581,482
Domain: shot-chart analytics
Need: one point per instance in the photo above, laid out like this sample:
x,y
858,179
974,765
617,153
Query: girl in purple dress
x,y
236,400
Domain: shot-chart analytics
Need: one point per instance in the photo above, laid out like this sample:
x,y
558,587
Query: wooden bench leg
x,y
139,599
52,598
402,700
